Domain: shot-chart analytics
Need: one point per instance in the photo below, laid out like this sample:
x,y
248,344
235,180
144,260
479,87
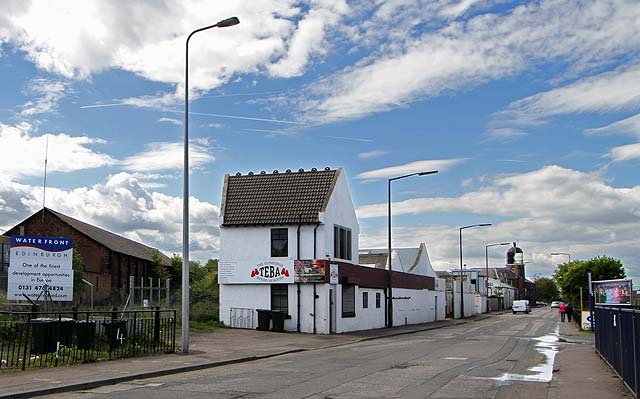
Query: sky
x,y
530,111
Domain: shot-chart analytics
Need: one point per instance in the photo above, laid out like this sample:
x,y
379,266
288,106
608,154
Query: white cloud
x,y
462,54
121,205
372,154
546,210
22,152
166,156
173,121
606,92
630,126
441,165
78,40
47,94
467,182
308,38
625,152
505,133
578,197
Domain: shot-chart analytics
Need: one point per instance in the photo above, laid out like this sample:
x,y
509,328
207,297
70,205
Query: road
x,y
506,356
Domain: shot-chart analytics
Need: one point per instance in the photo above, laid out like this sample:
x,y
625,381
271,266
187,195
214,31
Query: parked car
x,y
521,306
556,304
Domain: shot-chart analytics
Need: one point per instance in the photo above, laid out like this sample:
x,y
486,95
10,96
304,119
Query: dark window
x,y
341,243
365,300
279,243
348,300
377,300
280,297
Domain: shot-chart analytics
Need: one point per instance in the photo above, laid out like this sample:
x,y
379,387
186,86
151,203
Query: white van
x,y
521,306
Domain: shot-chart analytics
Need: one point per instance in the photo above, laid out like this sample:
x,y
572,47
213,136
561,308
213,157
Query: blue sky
x,y
529,110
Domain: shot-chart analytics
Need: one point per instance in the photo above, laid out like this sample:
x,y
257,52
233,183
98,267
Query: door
x,y
436,305
332,311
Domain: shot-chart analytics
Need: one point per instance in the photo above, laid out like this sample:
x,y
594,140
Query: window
x,y
280,297
377,300
365,300
348,300
341,242
279,242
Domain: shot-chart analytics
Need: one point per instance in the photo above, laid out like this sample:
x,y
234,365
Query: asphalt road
x,y
506,356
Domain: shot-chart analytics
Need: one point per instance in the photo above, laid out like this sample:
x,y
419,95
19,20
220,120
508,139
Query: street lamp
x,y
390,289
486,268
561,253
185,196
461,286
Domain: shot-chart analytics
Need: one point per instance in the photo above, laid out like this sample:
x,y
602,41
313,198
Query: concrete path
x,y
207,350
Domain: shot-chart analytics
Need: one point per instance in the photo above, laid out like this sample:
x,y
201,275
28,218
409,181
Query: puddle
x,y
547,346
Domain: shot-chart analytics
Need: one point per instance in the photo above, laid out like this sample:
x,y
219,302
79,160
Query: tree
x,y
158,269
77,264
546,289
572,276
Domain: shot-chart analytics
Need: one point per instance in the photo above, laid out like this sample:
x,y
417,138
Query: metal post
x,y
132,291
390,278
141,292
185,189
486,274
461,285
167,292
590,301
150,291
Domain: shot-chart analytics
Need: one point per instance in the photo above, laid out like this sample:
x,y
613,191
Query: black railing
x,y
618,342
50,339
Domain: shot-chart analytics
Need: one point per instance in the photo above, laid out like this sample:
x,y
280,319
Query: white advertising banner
x,y
333,273
272,271
39,263
586,320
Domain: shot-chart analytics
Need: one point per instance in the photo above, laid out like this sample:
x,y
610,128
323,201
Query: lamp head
x,y
485,224
427,173
228,22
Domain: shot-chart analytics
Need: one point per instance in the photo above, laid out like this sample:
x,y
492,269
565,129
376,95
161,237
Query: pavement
x,y
206,350
578,371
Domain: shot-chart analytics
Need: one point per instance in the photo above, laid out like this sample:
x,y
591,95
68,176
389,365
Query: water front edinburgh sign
x,y
272,271
38,264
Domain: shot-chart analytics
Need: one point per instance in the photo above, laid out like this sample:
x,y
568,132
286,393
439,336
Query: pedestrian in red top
x,y
563,311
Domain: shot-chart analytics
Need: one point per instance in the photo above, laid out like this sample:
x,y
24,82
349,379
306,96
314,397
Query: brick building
x,y
109,259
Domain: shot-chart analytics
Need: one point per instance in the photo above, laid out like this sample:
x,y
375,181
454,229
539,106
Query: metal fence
x,y
618,342
50,339
242,318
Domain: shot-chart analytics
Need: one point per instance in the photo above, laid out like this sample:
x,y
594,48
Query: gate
x,y
242,318
617,335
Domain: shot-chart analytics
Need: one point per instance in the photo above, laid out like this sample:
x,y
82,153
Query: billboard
x,y
39,263
271,271
309,271
612,292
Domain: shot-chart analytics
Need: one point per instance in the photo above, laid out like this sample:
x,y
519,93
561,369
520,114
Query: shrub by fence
x,y
618,342
50,339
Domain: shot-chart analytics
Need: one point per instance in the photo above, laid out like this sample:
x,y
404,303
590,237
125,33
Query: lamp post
x,y
390,278
461,286
486,268
561,253
185,196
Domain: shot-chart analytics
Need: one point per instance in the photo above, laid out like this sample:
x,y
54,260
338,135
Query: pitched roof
x,y
108,239
276,198
111,240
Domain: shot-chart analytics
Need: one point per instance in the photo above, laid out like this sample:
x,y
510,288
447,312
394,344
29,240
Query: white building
x,y
289,242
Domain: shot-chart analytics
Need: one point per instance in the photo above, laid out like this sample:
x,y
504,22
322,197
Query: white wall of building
x,y
340,211
365,319
469,300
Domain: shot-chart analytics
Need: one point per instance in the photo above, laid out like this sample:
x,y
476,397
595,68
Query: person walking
x,y
563,310
569,312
